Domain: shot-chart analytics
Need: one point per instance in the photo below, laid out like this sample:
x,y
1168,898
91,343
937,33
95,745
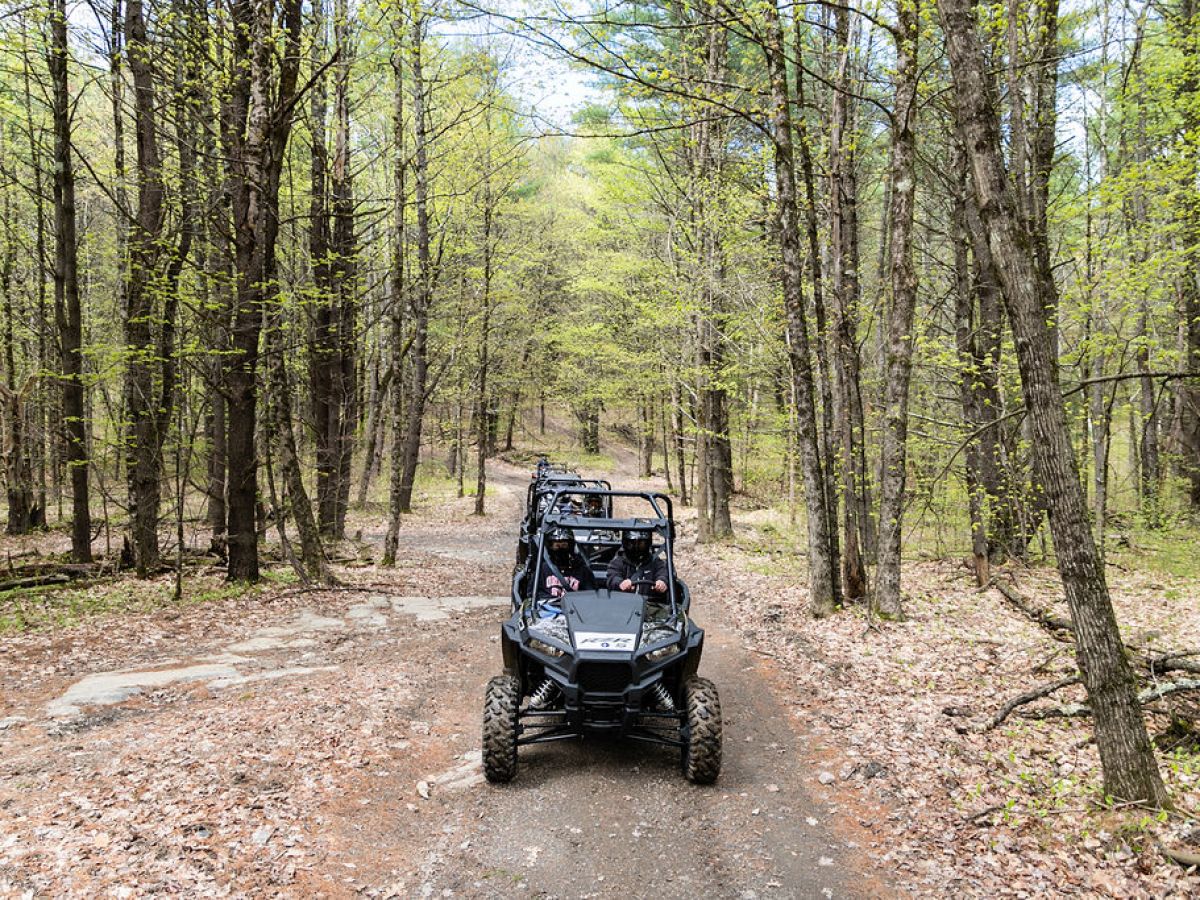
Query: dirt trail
x,y
327,744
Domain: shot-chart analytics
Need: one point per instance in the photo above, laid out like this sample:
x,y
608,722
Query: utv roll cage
x,y
662,522
542,496
546,468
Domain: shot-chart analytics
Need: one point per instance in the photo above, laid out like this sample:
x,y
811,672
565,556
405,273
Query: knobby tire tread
x,y
702,755
502,700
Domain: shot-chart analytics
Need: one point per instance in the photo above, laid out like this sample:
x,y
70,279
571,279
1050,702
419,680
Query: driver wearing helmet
x,y
568,570
636,563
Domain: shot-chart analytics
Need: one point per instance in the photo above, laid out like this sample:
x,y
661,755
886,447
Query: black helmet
x,y
636,545
594,506
560,545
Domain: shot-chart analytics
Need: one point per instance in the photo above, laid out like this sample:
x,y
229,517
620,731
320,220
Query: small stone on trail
x,y
811,821
825,861
772,789
826,778
423,789
262,834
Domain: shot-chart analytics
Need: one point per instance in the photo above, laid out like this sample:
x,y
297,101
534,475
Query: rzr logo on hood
x,y
598,640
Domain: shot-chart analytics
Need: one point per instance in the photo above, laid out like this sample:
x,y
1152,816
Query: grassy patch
x,y
56,606
1169,551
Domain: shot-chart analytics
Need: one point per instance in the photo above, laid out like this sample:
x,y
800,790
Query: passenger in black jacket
x,y
636,563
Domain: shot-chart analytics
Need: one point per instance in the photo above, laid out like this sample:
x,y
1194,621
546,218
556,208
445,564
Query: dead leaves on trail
x,y
180,802
1012,812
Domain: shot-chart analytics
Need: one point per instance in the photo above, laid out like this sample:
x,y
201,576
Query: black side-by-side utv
x,y
594,661
551,491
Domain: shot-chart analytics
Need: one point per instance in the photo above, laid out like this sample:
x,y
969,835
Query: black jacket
x,y
652,569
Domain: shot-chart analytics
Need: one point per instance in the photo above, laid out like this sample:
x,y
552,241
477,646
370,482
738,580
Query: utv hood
x,y
604,621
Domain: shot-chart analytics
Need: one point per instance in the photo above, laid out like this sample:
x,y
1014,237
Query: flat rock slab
x,y
292,635
468,774
106,688
269,675
431,608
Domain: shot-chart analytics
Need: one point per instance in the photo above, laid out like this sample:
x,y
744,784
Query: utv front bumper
x,y
605,693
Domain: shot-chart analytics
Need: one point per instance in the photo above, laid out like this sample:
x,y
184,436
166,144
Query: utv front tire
x,y
501,702
702,750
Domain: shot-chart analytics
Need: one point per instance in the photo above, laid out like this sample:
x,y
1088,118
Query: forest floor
x,y
325,743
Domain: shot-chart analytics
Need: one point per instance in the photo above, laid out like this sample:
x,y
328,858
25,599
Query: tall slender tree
x,y
1130,770
68,311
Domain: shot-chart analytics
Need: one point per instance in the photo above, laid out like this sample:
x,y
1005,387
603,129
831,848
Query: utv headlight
x,y
662,653
543,647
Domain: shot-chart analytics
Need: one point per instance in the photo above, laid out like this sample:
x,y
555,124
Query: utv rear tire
x,y
501,702
702,752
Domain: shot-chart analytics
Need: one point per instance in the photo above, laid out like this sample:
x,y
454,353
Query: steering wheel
x,y
647,582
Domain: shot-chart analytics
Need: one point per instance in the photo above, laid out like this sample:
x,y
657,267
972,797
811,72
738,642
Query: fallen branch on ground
x,y
1057,627
1178,661
1028,697
17,584
1061,630
1082,709
1186,858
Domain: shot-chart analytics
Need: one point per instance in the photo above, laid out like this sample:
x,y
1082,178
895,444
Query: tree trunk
x,y
312,555
398,298
679,436
255,132
647,432
1184,22
148,395
423,296
485,335
1130,770
67,310
843,206
900,324
323,356
1148,439
971,366
345,280
821,598
825,372
18,473
1002,513
377,390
